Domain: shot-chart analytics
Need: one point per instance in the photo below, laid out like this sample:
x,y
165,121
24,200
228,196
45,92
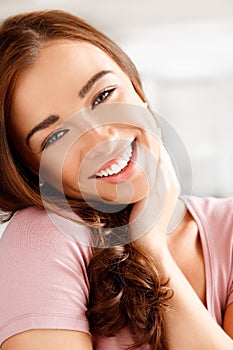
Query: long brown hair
x,y
136,296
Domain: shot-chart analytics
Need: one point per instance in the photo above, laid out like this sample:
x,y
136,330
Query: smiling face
x,y
67,79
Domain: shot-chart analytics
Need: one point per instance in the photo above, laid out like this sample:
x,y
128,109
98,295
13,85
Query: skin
x,y
51,77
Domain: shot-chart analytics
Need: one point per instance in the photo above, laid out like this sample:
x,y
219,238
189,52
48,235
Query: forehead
x,y
52,83
68,52
62,61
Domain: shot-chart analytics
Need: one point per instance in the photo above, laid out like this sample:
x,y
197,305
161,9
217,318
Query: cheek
x,y
60,169
70,173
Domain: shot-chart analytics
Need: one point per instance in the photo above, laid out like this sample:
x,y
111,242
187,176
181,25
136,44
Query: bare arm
x,y
228,320
48,340
188,323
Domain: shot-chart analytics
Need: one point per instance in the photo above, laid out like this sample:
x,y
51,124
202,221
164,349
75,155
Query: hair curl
x,y
126,288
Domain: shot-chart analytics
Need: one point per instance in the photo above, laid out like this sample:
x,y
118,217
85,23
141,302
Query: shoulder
x,y
43,275
28,222
23,219
210,204
33,228
35,240
212,211
214,218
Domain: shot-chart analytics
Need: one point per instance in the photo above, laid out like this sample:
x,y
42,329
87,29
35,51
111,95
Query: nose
x,y
101,140
105,132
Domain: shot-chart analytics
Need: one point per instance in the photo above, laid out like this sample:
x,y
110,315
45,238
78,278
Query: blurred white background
x,y
184,52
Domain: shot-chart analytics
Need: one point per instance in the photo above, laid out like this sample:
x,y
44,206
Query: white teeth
x,y
109,171
115,168
122,163
118,165
103,173
127,154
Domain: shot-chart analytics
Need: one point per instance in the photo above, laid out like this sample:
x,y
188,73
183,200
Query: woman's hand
x,y
151,215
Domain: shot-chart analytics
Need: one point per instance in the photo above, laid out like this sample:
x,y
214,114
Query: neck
x,y
177,217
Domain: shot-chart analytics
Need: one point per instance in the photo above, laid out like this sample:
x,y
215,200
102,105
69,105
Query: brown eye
x,y
102,96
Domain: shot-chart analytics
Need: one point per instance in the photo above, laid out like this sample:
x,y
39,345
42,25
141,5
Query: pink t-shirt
x,y
43,275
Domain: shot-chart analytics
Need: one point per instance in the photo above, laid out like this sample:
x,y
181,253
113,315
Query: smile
x,y
117,165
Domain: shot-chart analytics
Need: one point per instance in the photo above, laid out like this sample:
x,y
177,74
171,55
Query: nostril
x,y
112,131
106,132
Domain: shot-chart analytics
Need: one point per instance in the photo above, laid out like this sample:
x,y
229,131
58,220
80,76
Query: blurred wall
x,y
187,71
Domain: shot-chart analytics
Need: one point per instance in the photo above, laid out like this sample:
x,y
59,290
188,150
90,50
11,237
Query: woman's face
x,y
67,78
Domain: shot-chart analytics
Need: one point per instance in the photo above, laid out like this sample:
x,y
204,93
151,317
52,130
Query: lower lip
x,y
124,174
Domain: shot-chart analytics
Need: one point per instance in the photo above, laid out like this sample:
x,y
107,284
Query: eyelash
x,y
53,138
104,95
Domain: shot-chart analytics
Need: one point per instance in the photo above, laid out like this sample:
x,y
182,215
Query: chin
x,y
124,198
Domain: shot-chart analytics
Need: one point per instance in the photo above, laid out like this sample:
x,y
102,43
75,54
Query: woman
x,y
150,291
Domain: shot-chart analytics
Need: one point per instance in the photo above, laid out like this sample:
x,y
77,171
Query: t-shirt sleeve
x,y
43,277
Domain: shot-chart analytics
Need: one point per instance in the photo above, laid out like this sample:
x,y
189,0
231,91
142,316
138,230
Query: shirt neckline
x,y
202,231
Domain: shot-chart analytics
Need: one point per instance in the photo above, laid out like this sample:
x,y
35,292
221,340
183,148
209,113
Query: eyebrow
x,y
42,125
87,87
54,118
